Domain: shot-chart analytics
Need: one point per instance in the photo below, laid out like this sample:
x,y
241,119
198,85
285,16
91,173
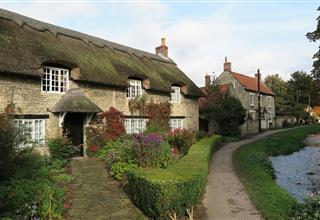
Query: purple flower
x,y
151,140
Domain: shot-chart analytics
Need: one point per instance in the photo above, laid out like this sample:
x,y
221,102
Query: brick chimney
x,y
207,80
162,49
226,65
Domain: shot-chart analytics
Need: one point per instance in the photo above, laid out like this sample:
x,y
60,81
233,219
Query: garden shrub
x,y
160,192
113,126
61,147
8,148
119,170
35,190
109,128
118,157
150,150
158,117
116,151
11,139
30,184
94,140
181,139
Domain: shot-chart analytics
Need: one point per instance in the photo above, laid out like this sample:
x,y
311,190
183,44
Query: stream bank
x,y
299,172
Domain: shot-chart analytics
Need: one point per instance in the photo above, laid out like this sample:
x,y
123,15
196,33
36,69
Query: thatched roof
x,y
75,101
26,44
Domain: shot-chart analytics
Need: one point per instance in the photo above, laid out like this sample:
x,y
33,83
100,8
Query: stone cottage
x,y
60,78
245,88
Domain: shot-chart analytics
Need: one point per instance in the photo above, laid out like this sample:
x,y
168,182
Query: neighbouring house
x,y
245,88
60,79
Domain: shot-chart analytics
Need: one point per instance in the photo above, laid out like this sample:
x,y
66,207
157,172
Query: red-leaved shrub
x,y
113,124
181,139
158,117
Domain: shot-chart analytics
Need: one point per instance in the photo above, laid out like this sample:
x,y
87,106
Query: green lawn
x,y
256,173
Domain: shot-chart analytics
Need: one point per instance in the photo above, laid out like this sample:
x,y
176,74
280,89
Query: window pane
x,y
55,80
33,129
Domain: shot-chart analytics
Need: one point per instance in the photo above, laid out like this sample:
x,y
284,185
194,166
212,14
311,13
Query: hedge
x,y
161,192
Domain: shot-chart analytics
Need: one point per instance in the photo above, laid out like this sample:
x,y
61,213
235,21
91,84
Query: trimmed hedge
x,y
160,192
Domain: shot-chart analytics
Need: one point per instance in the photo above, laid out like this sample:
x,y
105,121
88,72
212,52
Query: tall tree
x,y
299,88
315,36
279,87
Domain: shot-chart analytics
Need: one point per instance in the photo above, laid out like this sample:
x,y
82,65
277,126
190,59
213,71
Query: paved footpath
x,y
226,198
97,196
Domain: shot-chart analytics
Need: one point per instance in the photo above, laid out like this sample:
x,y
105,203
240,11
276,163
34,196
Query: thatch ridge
x,y
26,44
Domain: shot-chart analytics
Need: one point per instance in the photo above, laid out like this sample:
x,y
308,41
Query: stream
x,y
299,172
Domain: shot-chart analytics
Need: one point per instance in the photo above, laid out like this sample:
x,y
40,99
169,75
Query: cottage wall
x,y
251,125
27,95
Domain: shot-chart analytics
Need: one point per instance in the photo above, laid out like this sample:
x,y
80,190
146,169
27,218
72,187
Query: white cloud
x,y
147,10
53,12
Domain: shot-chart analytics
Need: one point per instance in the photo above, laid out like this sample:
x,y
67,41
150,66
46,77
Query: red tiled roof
x,y
223,88
202,100
250,83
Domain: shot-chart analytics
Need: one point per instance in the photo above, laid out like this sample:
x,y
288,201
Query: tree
x,y
279,87
230,115
299,88
315,36
225,109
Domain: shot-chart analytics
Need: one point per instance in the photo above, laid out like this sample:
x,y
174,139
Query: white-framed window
x,y
135,125
234,85
135,89
269,102
252,99
261,100
176,123
34,129
55,80
176,94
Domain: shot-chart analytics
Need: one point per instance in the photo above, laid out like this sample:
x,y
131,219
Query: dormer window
x,y
135,89
55,80
176,94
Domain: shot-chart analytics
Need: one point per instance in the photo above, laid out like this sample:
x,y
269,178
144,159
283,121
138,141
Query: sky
x,y
269,35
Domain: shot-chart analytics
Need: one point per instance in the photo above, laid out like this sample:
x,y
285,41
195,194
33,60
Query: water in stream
x,y
299,173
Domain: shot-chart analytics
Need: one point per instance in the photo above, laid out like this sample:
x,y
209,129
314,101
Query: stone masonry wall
x,y
27,95
244,96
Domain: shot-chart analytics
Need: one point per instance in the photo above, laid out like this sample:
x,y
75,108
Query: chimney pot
x,y
162,49
226,65
163,41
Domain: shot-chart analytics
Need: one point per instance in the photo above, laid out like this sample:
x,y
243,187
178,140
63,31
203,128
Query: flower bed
x,y
164,192
34,186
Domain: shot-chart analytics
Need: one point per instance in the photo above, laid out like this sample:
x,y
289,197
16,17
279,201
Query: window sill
x,y
62,93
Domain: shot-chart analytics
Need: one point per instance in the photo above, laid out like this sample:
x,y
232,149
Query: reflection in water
x,y
299,173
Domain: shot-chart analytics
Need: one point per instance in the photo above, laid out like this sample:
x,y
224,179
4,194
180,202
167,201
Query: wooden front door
x,y
73,127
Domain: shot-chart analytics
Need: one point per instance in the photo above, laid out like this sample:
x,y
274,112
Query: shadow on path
x,y
96,195
226,198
